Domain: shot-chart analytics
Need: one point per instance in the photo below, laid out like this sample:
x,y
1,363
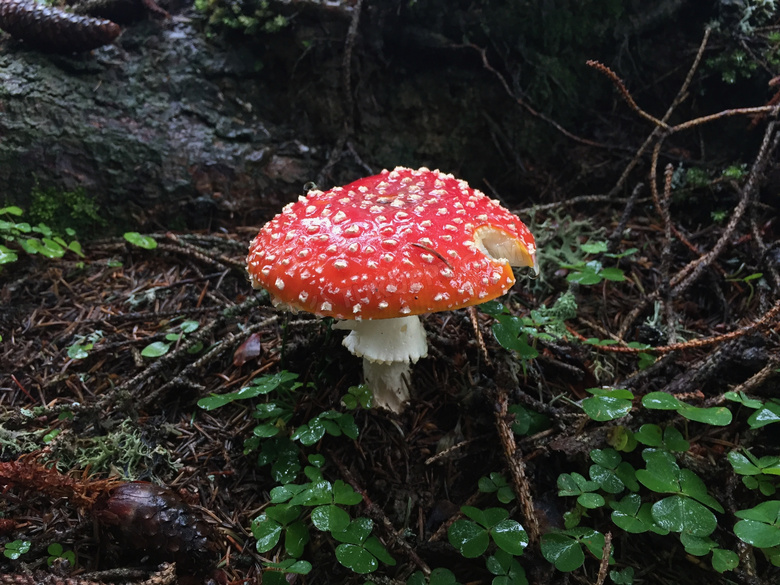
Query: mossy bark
x,y
159,126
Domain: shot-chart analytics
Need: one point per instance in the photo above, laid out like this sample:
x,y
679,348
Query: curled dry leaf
x,y
248,350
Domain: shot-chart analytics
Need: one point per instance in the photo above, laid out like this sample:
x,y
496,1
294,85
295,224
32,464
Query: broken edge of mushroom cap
x,y
502,246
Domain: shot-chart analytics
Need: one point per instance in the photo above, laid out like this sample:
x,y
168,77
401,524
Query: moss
x,y
64,210
125,451
248,16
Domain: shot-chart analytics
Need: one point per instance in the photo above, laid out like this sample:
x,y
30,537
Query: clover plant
x,y
766,413
496,483
80,348
472,535
757,472
564,548
297,508
56,552
593,271
760,527
38,239
438,576
16,548
663,497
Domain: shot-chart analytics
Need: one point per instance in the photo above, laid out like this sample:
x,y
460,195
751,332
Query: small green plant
x,y
274,573
564,548
590,272
748,280
319,503
298,507
472,535
160,348
693,177
248,16
717,415
719,216
766,413
79,349
16,548
361,395
140,240
678,501
527,421
359,550
39,239
496,483
62,210
607,403
57,552
518,333
760,527
124,449
759,473
438,576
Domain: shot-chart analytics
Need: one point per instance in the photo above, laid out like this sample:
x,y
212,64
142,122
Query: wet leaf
x,y
156,349
141,241
468,537
679,513
563,551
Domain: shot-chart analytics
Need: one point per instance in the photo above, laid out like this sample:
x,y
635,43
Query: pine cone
x,y
155,521
52,29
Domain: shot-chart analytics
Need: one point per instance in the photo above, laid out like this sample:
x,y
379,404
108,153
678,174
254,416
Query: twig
x,y
770,317
569,202
346,66
445,526
725,114
666,255
226,343
763,249
478,332
516,468
605,559
657,130
624,93
749,385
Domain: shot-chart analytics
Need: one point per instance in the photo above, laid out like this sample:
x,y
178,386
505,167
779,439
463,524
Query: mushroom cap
x,y
400,243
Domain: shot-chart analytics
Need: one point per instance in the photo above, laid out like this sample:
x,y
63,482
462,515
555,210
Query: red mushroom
x,y
382,250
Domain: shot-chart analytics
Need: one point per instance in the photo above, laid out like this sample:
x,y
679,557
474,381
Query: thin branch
x,y
666,254
516,466
604,565
769,317
624,93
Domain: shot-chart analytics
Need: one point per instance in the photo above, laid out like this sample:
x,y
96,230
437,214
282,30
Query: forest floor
x,y
106,358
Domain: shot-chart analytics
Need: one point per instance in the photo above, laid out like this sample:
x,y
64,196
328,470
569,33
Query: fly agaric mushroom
x,y
382,250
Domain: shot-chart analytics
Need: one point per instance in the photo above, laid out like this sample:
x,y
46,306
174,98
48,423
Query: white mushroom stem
x,y
387,347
